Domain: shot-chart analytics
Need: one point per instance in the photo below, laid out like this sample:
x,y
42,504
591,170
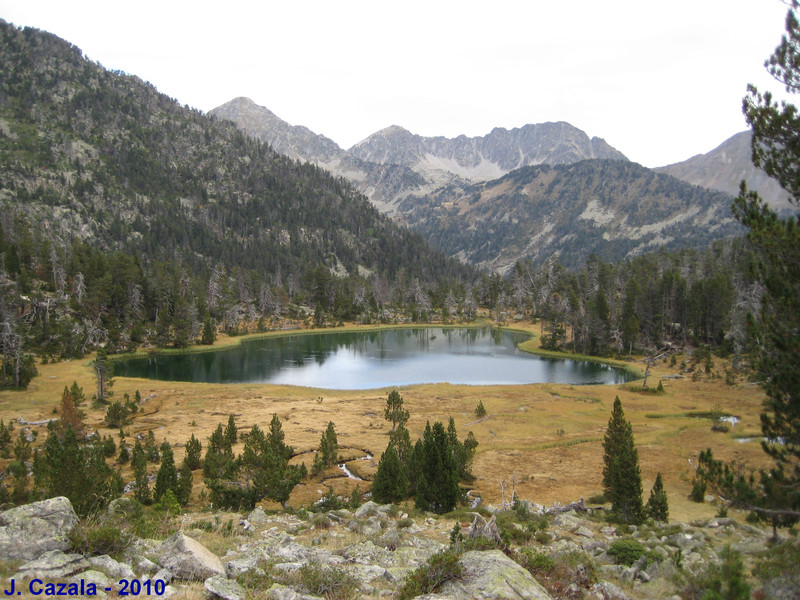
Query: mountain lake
x,y
374,359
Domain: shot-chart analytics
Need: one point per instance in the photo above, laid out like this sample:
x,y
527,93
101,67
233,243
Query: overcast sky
x,y
659,81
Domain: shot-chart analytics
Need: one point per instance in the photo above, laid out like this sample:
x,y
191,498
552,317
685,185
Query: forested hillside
x,y
104,157
124,208
615,209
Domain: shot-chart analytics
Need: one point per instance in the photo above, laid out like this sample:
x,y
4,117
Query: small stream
x,y
346,471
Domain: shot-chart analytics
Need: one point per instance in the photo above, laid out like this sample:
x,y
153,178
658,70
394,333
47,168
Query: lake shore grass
x,y
545,437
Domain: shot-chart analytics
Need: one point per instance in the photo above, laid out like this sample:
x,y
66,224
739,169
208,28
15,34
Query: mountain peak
x,y
295,141
724,168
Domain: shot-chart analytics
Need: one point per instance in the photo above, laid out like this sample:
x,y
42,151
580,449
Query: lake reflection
x,y
375,359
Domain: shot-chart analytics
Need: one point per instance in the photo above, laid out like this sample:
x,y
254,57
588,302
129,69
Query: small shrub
x,y
698,493
723,581
779,561
331,584
598,499
329,501
427,579
356,499
626,551
557,573
93,539
405,523
254,579
543,537
537,563
168,504
480,411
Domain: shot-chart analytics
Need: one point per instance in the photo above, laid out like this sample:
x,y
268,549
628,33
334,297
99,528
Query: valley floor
x,y
542,441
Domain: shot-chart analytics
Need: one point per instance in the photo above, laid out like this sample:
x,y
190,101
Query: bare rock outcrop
x,y
188,559
27,532
492,574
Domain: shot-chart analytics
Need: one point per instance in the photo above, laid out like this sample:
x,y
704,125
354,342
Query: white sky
x,y
660,81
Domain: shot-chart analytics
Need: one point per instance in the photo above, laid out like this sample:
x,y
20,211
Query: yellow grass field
x,y
545,437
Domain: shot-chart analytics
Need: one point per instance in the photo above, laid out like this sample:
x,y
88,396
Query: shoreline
x,y
527,346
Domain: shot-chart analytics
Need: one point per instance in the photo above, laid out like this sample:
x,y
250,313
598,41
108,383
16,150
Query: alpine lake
x,y
374,359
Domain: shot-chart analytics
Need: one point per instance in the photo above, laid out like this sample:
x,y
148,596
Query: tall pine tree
x,y
437,479
622,480
391,483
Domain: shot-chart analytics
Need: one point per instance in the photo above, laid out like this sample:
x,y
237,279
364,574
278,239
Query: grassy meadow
x,y
545,439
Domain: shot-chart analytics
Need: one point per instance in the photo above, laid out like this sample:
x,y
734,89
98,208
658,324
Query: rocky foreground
x,y
371,551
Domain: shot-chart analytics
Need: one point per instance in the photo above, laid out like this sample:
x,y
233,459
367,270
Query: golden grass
x,y
546,436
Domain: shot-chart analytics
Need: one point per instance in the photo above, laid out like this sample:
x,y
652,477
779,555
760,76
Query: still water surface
x,y
374,359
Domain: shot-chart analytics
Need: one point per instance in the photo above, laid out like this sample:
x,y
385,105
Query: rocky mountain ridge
x,y
611,208
724,168
369,552
394,163
492,201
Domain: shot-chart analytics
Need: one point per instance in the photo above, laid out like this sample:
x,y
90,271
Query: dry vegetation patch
x,y
547,437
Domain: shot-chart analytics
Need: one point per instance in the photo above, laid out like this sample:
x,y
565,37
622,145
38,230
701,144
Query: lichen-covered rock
x,y
367,509
493,575
227,589
607,591
145,566
101,580
113,568
282,592
367,553
257,516
244,563
188,559
52,565
27,532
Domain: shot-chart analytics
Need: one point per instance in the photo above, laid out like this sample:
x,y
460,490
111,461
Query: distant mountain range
x,y
394,163
481,200
614,209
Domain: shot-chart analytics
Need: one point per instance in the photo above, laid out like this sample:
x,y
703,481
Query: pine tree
x,y
391,483
231,433
139,463
275,439
68,412
328,451
657,507
622,480
480,411
194,451
5,440
219,461
167,477
437,480
209,332
183,490
265,465
104,373
400,440
394,410
151,448
775,128
91,483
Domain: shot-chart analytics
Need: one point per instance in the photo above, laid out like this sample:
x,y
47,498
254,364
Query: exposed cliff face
x,y
725,167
